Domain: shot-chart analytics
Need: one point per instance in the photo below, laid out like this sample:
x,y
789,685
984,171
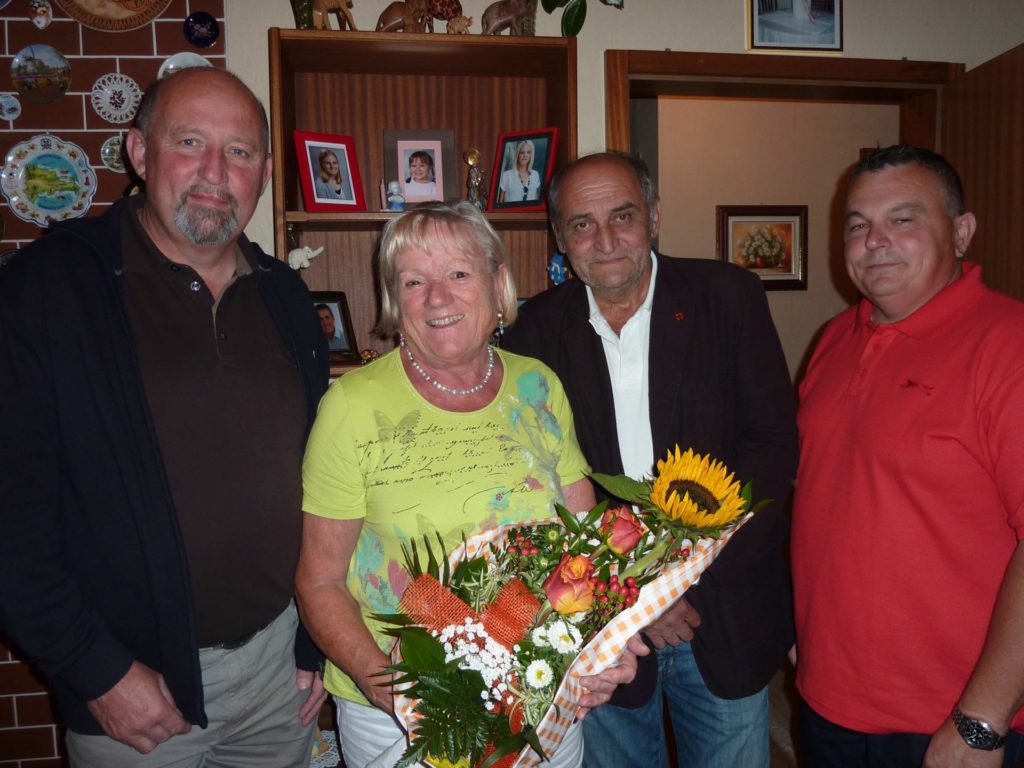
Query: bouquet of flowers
x,y
765,247
493,639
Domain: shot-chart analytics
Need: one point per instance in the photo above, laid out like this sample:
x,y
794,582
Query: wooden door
x,y
983,137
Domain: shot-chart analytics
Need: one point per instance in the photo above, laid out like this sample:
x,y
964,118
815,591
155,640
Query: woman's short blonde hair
x,y
419,228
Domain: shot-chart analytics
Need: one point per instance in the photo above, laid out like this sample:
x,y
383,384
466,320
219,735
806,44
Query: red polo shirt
x,y
909,504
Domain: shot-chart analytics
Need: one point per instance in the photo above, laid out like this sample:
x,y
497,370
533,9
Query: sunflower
x,y
440,762
697,493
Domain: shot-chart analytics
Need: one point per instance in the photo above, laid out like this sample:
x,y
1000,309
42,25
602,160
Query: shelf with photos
x,y
500,220
359,87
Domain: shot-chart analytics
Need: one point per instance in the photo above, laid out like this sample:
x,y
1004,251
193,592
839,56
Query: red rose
x,y
621,528
569,586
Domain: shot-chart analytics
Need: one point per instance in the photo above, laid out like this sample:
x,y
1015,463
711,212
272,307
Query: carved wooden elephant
x,y
408,16
503,15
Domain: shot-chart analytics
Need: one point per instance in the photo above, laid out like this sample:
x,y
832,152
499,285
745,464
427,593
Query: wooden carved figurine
x,y
340,9
408,16
503,15
459,25
443,10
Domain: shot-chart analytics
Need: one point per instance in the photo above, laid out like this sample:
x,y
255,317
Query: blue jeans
x,y
709,732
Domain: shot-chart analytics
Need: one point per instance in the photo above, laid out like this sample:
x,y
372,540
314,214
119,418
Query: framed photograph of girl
x,y
422,162
329,173
523,163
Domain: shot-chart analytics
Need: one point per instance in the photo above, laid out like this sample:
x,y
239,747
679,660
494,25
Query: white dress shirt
x,y
626,355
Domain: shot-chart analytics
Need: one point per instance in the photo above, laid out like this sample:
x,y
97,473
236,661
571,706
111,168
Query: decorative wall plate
x,y
10,107
201,29
180,61
40,73
40,12
47,179
111,154
115,97
113,15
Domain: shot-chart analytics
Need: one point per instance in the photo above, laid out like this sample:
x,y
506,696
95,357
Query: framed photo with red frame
x,y
523,163
329,173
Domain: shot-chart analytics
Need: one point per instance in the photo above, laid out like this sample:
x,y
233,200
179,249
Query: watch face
x,y
977,733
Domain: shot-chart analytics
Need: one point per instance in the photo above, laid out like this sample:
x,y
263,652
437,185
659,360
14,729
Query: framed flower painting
x,y
768,240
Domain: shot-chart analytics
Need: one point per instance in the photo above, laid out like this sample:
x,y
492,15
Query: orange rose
x,y
622,528
569,587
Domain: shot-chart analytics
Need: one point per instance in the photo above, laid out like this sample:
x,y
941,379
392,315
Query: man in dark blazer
x,y
654,352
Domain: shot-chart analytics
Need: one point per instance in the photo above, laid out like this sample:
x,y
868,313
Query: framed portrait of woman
x,y
329,173
523,163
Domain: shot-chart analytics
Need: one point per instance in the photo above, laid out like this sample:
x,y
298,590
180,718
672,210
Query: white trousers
x,y
371,738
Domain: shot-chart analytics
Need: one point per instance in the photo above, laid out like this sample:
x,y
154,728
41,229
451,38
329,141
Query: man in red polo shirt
x,y
909,510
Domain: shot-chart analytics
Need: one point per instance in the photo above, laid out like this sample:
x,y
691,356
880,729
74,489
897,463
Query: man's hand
x,y
948,750
139,710
306,680
675,626
600,687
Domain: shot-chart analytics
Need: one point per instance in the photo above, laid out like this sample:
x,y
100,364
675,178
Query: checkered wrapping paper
x,y
605,647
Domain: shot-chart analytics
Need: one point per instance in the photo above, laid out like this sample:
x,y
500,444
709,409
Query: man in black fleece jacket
x,y
159,375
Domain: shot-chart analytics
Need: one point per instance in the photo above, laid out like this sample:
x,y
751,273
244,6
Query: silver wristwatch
x,y
977,733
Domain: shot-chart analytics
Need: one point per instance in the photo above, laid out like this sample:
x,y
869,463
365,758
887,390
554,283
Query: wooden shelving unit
x,y
360,83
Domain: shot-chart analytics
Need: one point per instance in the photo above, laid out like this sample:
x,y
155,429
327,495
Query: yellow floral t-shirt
x,y
379,451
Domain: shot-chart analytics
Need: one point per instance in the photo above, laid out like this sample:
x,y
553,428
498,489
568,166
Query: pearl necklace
x,y
451,390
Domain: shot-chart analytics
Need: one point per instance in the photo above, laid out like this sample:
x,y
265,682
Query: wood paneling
x,y
360,84
983,137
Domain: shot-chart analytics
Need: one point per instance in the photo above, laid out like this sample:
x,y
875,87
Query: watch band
x,y
977,733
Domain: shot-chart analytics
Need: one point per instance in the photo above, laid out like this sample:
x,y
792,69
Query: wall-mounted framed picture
x,y
768,240
796,25
523,163
423,162
329,173
336,323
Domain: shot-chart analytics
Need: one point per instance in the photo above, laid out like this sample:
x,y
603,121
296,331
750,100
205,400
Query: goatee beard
x,y
206,226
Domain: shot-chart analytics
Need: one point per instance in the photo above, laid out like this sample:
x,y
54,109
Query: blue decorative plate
x,y
47,179
201,29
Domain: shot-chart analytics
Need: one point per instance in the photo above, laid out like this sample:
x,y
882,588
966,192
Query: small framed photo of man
x,y
523,163
331,309
423,163
329,173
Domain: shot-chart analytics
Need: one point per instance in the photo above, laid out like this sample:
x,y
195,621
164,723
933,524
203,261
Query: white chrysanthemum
x,y
540,637
560,637
538,674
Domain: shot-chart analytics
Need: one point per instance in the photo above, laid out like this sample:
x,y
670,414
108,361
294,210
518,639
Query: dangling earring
x,y
501,324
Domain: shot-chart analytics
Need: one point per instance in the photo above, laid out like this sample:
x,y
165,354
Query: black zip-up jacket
x,y
93,573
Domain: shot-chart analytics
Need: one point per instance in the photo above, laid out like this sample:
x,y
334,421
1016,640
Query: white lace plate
x,y
115,97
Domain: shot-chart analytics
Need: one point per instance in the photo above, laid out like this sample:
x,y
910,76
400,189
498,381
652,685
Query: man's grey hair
x,y
635,163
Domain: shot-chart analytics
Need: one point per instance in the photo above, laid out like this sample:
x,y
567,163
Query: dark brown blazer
x,y
718,384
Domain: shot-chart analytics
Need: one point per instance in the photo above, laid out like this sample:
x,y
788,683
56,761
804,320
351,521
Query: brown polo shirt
x,y
229,410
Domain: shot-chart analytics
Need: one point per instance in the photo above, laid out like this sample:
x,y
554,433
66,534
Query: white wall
x,y
767,153
936,30
931,30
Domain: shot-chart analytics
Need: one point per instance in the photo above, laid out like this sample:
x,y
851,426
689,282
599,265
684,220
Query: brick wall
x,y
29,737
137,53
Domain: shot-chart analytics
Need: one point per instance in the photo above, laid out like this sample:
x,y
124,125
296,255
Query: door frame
x,y
914,86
